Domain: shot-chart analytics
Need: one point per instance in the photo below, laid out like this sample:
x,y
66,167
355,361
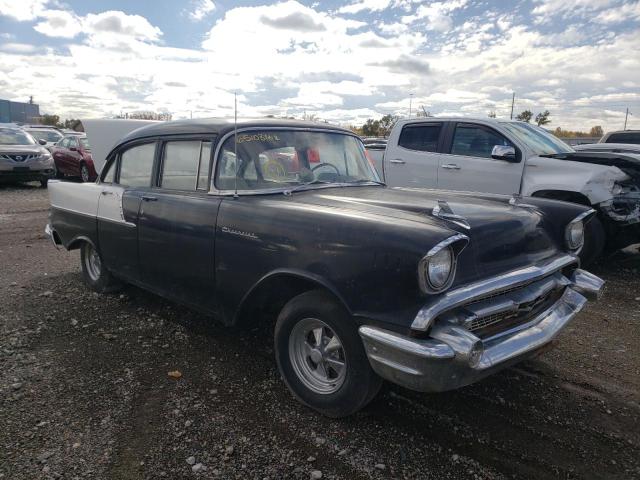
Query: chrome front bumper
x,y
452,356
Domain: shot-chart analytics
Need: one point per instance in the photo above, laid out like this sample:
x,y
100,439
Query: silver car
x,y
22,159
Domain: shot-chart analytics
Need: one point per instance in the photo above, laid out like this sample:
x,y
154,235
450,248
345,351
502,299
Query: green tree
x,y
543,118
596,131
386,123
371,128
525,116
53,120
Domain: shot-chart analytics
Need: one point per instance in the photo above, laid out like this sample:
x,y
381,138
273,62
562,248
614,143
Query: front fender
x,y
593,181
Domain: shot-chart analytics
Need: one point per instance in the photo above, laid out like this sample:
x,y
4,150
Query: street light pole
x,y
625,119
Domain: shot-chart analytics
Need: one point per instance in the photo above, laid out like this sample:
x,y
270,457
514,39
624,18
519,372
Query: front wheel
x,y
321,357
95,274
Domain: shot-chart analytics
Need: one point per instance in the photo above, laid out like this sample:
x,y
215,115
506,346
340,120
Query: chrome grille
x,y
18,157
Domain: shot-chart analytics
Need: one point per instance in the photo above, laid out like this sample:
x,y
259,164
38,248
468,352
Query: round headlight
x,y
575,235
439,268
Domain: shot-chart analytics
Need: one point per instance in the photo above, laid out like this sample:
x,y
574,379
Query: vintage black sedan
x,y
288,220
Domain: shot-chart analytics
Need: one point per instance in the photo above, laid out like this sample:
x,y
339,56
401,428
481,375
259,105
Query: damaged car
x,y
510,157
285,225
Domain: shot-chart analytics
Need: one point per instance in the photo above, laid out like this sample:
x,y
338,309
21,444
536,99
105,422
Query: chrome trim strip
x,y
587,284
584,217
460,241
443,211
96,217
467,293
212,186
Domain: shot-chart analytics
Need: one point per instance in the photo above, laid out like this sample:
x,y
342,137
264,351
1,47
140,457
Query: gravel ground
x,y
85,390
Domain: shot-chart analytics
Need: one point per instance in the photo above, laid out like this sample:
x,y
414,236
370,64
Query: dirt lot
x,y
85,391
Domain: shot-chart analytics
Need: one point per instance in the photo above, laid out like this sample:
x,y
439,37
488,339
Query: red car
x,y
72,157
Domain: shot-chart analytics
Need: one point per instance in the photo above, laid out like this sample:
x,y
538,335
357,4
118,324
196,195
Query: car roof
x,y
481,120
221,126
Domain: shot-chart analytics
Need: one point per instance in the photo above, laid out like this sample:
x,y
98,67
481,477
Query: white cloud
x,y
59,23
621,13
201,9
17,48
118,23
359,6
22,10
437,15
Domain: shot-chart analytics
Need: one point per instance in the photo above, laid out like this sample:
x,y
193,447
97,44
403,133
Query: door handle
x,y
451,166
148,198
398,161
106,192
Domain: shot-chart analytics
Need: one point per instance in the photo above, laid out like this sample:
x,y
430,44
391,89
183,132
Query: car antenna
x,y
235,141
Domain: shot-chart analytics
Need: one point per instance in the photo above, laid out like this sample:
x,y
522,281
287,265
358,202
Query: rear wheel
x,y
95,274
84,172
321,357
43,182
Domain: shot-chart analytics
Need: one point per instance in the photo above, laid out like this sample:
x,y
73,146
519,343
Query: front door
x,y
414,162
177,223
468,165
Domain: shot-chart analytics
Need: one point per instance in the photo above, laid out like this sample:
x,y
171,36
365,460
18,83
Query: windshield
x,y
47,135
15,137
84,143
537,139
273,159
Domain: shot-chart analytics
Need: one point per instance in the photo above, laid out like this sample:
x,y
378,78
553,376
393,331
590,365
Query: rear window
x,y
423,138
624,137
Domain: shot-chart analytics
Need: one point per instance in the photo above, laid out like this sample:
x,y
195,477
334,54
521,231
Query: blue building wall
x,y
18,112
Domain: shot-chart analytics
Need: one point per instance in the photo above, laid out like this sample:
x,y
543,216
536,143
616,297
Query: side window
x,y
64,143
205,161
625,137
184,161
136,164
474,141
110,175
72,142
423,138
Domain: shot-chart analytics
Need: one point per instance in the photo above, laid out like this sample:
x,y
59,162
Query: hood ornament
x,y
443,210
516,199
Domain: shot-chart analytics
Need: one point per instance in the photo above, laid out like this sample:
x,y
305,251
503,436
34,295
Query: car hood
x,y
36,149
628,163
502,236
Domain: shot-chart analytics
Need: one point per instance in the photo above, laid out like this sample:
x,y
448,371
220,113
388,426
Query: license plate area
x,y
21,169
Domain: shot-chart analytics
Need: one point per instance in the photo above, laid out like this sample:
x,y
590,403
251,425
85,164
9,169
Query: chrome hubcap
x,y
93,263
317,356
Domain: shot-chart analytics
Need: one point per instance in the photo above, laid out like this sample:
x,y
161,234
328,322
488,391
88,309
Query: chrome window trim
x,y
460,241
467,293
213,190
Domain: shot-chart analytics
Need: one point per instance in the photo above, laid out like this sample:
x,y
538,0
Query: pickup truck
x,y
509,157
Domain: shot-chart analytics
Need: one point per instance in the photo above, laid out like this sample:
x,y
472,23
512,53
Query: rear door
x,y
126,179
413,160
73,155
467,163
177,224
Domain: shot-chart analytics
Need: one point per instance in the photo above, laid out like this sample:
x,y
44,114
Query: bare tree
x,y
543,118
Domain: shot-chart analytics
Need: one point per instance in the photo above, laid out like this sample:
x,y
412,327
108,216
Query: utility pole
x,y
410,100
513,101
625,119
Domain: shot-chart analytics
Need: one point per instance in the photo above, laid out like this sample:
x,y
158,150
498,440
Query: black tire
x,y
43,182
595,239
359,384
58,174
84,173
97,279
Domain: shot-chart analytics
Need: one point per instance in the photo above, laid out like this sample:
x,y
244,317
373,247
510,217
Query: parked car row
x,y
37,152
508,157
287,223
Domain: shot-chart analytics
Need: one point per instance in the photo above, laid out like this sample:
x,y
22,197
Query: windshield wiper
x,y
364,180
306,184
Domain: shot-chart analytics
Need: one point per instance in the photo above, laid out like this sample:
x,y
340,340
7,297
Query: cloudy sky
x,y
343,61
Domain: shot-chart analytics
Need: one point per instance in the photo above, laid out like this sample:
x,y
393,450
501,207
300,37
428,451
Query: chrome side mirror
x,y
504,152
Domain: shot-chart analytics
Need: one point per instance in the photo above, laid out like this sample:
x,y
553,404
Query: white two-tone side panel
x,y
110,204
79,198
